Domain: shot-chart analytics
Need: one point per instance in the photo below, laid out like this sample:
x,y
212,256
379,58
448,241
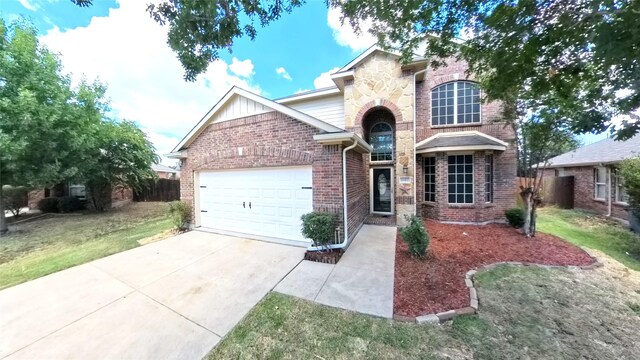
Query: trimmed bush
x,y
515,217
319,227
180,213
416,235
14,198
67,204
48,205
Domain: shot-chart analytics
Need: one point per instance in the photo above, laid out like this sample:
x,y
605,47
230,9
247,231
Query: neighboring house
x,y
253,165
597,184
119,196
165,172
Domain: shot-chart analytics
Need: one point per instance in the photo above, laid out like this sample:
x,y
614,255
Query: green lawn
x,y
595,232
56,242
526,313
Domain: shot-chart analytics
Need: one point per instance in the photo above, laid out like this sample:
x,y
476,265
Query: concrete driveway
x,y
173,299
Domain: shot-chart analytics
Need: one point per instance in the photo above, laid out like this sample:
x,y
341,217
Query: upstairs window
x,y
455,103
381,140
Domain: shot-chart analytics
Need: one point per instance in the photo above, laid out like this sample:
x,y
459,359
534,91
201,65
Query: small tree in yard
x,y
415,234
540,137
14,199
319,227
630,171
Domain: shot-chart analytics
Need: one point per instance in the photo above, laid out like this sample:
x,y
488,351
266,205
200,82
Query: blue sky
x,y
117,43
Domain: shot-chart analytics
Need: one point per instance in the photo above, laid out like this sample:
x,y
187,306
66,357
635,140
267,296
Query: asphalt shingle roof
x,y
606,151
462,140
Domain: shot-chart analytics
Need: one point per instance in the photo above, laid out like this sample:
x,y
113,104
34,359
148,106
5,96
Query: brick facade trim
x,y
378,104
299,157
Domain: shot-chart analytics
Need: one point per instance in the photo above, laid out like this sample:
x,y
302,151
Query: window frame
x,y
472,182
435,176
619,189
596,184
455,104
488,178
72,187
393,142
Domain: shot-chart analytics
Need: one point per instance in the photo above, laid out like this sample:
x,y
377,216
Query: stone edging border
x,y
473,294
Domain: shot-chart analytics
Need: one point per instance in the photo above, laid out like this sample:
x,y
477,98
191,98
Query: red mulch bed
x,y
436,284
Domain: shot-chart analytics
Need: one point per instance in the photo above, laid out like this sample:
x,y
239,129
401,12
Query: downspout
x,y
415,162
608,191
345,212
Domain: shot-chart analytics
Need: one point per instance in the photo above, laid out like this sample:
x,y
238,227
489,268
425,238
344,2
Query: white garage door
x,y
266,202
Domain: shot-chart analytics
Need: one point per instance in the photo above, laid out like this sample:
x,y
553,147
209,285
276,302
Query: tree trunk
x,y
3,221
529,211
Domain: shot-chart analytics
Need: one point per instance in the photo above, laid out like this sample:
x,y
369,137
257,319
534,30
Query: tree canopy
x,y
575,60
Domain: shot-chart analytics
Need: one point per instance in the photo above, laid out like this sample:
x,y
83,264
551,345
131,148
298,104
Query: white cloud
x,y
283,72
28,5
242,68
127,50
299,91
345,35
324,79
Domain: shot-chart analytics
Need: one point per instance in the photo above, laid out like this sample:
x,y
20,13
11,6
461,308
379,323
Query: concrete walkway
x,y
362,280
173,299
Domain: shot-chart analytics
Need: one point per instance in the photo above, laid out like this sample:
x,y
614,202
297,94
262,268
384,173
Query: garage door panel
x,y
278,198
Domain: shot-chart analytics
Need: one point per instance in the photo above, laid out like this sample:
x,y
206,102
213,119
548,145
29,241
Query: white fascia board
x,y
460,133
314,94
341,138
344,74
461,148
177,155
309,120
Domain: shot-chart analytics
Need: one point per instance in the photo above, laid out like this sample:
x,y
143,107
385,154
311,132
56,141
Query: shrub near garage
x,y
180,215
319,227
415,234
515,217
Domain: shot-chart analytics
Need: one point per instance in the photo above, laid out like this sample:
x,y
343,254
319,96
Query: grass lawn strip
x,y
528,312
437,284
44,246
594,232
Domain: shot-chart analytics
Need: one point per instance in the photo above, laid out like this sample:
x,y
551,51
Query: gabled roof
x,y
460,141
302,117
162,168
353,63
607,151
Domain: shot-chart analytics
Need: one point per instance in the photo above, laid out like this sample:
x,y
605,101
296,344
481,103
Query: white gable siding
x,y
239,107
329,109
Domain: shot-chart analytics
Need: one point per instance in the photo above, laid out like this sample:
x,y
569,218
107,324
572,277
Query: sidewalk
x,y
362,280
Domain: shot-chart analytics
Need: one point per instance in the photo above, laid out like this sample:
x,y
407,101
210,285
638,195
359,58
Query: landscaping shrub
x,y
67,204
48,205
630,171
14,198
319,227
415,234
180,215
515,217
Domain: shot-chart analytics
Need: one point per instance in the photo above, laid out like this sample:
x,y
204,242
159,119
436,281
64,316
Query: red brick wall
x,y
584,190
267,140
357,190
504,162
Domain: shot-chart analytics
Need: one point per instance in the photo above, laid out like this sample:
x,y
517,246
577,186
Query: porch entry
x,y
382,190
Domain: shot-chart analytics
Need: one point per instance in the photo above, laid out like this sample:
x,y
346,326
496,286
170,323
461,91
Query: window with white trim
x,y
455,103
381,140
488,178
600,183
430,179
460,179
78,191
620,195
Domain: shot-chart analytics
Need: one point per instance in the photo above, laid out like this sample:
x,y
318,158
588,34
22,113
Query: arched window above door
x,y
381,140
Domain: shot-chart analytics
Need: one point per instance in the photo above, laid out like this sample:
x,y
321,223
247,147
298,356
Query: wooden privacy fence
x,y
558,191
159,190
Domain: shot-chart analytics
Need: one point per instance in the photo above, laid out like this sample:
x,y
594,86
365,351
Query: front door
x,y
382,190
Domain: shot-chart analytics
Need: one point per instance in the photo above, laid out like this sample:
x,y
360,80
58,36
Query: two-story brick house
x,y
252,165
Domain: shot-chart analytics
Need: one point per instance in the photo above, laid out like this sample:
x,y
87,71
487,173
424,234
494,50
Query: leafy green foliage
x,y
630,172
48,205
68,204
180,215
198,29
515,217
415,234
14,198
319,227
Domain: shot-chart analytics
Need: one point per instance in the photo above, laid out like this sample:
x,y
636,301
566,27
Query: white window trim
x,y
393,145
596,183
435,169
619,183
473,179
455,104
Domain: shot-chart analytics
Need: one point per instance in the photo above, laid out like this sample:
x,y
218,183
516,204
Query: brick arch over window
x,y
271,155
439,80
378,104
